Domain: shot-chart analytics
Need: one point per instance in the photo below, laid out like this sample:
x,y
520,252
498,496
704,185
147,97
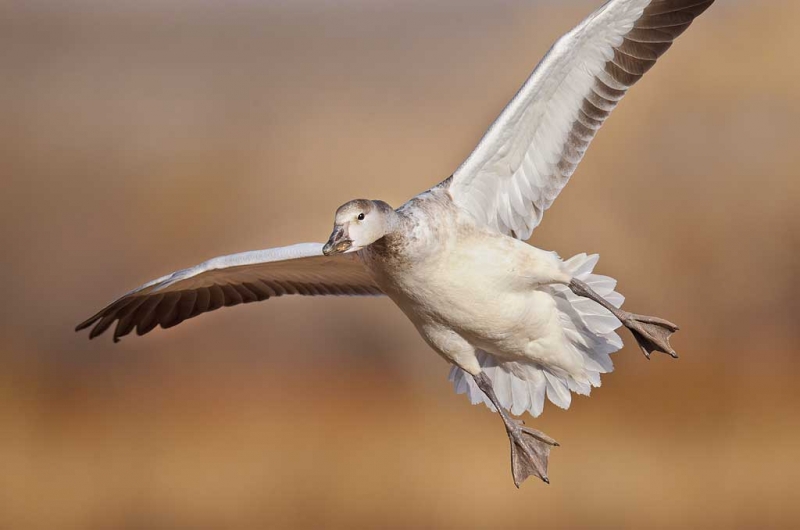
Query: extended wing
x,y
230,280
529,153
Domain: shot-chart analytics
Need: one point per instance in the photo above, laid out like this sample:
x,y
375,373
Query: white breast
x,y
478,283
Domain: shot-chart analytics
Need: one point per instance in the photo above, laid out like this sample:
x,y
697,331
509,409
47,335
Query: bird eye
x,y
361,217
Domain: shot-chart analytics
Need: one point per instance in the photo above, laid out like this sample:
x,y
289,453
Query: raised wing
x,y
528,155
231,280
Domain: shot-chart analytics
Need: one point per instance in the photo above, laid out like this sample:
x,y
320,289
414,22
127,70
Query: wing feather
x,y
232,280
528,155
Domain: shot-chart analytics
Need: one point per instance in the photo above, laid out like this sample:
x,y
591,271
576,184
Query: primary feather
x,y
527,156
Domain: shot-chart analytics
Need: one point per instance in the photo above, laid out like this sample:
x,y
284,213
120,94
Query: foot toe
x,y
652,334
539,435
529,454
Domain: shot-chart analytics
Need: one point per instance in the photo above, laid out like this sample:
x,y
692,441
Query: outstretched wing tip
x,y
88,322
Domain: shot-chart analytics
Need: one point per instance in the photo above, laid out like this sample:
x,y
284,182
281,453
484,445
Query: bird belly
x,y
487,295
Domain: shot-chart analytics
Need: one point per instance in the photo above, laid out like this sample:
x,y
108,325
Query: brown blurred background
x,y
139,137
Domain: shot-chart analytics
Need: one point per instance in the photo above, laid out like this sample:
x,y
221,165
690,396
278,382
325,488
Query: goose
x,y
518,324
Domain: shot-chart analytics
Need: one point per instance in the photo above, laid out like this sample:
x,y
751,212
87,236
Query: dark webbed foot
x,y
651,333
530,450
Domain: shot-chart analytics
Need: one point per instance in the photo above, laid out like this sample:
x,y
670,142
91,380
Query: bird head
x,y
359,223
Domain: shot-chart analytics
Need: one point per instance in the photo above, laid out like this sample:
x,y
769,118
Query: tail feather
x,y
583,388
521,397
581,264
557,390
589,329
536,388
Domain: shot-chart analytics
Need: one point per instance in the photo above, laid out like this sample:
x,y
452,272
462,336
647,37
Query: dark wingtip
x,y
86,323
105,318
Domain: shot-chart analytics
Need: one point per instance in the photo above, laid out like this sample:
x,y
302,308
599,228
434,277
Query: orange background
x,y
137,138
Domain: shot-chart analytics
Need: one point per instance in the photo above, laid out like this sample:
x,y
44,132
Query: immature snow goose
x,y
517,323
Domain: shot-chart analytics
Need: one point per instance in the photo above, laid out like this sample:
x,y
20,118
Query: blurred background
x,y
140,137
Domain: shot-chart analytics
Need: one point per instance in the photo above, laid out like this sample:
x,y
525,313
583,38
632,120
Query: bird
x,y
518,324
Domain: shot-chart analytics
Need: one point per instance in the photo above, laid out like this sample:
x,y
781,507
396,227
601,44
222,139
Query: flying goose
x,y
518,324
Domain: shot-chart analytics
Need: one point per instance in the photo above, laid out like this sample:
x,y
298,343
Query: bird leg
x,y
529,448
651,333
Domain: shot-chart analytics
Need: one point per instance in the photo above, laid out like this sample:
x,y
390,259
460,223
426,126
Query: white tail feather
x,y
589,329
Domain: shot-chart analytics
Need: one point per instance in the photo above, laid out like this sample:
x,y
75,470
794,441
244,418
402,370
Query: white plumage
x,y
590,330
532,149
518,324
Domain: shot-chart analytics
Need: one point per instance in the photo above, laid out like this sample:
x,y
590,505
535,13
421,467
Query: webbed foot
x,y
530,450
651,333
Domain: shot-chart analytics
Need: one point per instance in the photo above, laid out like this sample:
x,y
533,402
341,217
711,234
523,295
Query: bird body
x,y
518,323
475,294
